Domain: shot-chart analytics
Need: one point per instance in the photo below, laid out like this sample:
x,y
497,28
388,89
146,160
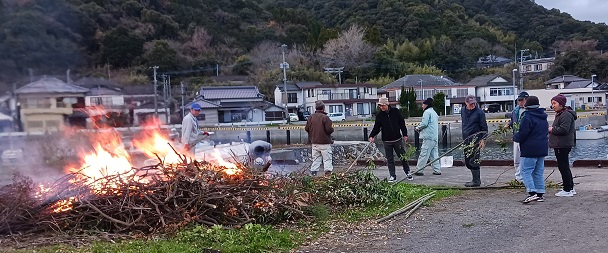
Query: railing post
x,y
268,136
365,137
417,140
288,137
248,136
444,135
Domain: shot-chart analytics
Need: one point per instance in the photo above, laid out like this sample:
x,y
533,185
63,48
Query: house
x,y
354,100
49,104
495,89
426,86
561,82
492,61
536,65
236,104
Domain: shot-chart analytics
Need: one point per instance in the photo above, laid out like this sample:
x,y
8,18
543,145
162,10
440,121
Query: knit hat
x,y
428,101
531,101
560,99
383,101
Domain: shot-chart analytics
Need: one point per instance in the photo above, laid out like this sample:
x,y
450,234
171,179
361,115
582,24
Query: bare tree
x,y
348,50
199,43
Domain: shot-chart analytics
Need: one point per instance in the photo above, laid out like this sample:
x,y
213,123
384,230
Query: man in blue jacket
x,y
474,131
534,142
429,133
392,124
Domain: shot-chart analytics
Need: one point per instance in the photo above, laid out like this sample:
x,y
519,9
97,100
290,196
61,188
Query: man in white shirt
x,y
190,128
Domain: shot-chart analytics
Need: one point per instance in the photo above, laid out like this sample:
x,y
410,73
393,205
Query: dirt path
x,y
486,221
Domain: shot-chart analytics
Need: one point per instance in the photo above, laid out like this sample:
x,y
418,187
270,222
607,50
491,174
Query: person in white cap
x,y
392,124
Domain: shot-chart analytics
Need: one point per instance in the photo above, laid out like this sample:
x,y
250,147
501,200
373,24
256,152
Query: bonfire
x,y
105,192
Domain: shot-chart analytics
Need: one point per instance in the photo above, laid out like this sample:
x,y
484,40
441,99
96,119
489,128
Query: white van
x,y
337,116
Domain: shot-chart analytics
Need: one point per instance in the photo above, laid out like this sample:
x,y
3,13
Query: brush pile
x,y
150,199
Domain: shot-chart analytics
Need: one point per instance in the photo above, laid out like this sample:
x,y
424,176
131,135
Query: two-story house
x,y
426,86
583,92
49,103
239,104
354,100
536,65
495,89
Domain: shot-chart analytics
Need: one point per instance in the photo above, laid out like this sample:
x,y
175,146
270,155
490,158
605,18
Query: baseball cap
x,y
196,107
523,95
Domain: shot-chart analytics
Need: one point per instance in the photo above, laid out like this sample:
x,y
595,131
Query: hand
x,y
187,147
550,129
405,138
506,126
371,139
416,129
482,144
206,133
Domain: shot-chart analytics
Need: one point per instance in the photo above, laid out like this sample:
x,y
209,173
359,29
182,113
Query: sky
x,y
592,10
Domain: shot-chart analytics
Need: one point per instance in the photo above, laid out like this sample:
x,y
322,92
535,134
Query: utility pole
x,y
514,72
521,66
285,66
155,92
592,85
181,84
421,90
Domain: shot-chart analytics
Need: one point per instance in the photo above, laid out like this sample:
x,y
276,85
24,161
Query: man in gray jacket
x,y
190,128
429,133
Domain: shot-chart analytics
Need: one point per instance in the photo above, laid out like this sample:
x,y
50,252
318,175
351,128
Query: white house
x,y
536,65
495,89
354,100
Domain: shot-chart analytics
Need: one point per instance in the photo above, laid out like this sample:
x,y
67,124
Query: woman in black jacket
x,y
561,139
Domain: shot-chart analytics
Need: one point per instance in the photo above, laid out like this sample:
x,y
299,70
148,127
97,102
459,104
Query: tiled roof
x,y
487,81
227,92
541,60
566,79
307,85
50,85
290,87
203,103
413,81
578,84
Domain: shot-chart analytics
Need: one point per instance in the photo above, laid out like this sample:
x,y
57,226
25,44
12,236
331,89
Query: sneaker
x,y
573,192
541,199
409,176
436,173
530,199
391,179
563,193
419,174
313,173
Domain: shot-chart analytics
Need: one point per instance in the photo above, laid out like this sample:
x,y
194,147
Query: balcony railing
x,y
343,96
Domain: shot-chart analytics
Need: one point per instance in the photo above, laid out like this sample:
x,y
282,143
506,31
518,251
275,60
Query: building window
x,y
335,108
538,67
36,103
292,97
310,93
310,109
101,101
462,93
274,116
494,92
35,124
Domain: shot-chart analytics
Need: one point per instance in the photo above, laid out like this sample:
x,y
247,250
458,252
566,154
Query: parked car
x,y
337,116
491,108
293,117
305,115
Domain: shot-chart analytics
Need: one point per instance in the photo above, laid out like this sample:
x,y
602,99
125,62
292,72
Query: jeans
x,y
321,153
397,146
516,158
563,164
532,171
429,152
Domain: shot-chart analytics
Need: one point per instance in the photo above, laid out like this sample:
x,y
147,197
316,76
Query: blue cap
x,y
196,107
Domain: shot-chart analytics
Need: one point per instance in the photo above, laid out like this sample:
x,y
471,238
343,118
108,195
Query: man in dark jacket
x,y
319,128
474,130
392,124
534,145
561,139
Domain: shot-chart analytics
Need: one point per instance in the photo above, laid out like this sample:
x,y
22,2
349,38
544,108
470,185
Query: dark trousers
x,y
563,164
390,157
471,156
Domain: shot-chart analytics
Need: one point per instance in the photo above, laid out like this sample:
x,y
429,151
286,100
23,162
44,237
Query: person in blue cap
x,y
514,125
190,128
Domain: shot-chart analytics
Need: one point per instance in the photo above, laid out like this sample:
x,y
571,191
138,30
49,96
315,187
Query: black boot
x,y
476,179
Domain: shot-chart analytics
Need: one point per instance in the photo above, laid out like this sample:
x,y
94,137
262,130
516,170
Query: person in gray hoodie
x,y
429,133
561,139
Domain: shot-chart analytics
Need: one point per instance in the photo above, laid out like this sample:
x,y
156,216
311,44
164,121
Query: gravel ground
x,y
489,220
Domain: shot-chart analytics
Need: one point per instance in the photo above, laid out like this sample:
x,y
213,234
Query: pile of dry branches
x,y
149,199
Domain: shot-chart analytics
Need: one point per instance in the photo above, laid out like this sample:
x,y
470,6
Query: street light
x,y
592,97
285,66
514,71
421,91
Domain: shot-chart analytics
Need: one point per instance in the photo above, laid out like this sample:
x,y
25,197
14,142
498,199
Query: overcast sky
x,y
592,10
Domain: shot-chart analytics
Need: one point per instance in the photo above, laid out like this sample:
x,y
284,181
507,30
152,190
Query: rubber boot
x,y
476,179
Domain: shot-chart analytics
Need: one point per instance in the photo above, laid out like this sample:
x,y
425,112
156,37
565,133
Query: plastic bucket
x,y
447,161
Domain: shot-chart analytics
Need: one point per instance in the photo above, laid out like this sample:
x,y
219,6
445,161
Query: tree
x,y
119,47
348,50
439,103
162,55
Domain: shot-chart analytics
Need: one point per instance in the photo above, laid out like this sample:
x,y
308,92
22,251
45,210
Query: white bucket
x,y
447,161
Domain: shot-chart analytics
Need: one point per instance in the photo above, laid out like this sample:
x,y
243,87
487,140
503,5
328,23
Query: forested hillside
x,y
375,40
